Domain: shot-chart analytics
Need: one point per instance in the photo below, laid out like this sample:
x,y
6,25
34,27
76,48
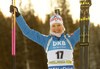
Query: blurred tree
x,y
5,44
98,41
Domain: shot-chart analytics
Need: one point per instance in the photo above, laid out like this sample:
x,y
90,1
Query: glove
x,y
12,10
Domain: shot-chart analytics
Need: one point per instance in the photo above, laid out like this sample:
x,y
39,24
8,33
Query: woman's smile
x,y
57,28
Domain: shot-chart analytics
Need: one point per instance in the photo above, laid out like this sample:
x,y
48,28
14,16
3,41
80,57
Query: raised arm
x,y
30,33
74,37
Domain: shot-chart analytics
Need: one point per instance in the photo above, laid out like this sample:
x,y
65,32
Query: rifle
x,y
57,11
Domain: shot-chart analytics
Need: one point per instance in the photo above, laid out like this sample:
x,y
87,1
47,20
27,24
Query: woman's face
x,y
57,28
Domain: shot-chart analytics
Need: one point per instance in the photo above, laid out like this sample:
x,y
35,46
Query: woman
x,y
58,46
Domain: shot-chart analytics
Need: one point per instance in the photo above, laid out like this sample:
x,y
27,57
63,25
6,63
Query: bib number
x,y
59,54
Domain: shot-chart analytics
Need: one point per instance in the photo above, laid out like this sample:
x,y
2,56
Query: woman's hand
x,y
12,10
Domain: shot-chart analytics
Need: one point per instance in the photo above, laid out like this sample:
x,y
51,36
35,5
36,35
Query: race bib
x,y
60,57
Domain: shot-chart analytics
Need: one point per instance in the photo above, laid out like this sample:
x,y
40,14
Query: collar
x,y
58,38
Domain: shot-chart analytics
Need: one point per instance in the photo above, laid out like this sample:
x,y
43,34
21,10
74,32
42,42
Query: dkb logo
x,y
59,43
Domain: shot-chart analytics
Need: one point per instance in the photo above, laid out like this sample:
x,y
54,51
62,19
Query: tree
x,y
5,44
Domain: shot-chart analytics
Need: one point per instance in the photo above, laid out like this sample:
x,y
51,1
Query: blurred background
x,y
30,55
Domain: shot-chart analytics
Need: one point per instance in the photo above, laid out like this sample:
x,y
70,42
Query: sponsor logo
x,y
61,62
61,67
59,43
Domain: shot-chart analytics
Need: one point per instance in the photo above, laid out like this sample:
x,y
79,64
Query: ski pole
x,y
13,37
12,30
12,23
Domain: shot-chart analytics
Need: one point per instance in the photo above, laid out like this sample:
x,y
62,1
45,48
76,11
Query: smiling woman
x,y
54,44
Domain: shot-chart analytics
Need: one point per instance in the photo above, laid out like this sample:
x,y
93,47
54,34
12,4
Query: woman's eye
x,y
59,25
53,25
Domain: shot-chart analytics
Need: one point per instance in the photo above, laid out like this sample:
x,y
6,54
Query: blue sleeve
x,y
74,37
30,33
